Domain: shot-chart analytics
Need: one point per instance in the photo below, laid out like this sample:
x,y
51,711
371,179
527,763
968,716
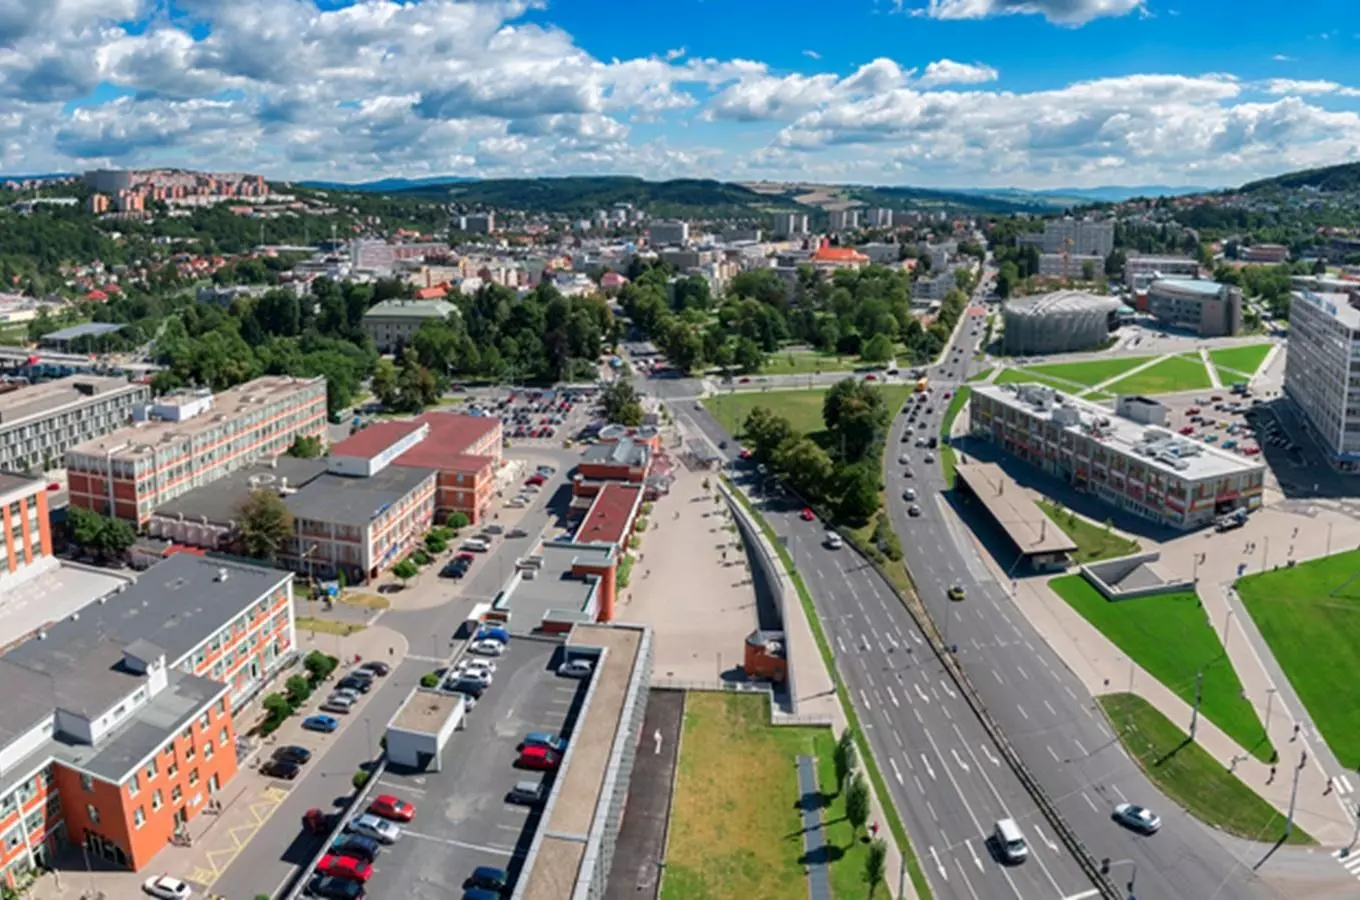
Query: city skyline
x,y
936,93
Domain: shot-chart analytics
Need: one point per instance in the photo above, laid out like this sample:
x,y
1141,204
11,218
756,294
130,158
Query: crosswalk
x,y
1350,861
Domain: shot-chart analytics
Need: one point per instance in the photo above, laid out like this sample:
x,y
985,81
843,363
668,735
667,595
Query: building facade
x,y
790,224
117,726
1207,308
1264,253
844,219
28,530
668,234
39,423
1128,459
1141,271
392,323
1322,372
186,440
1084,236
1072,266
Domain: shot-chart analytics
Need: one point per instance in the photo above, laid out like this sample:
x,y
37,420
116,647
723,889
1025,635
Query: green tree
x,y
405,570
384,383
306,447
875,865
457,520
319,665
806,467
859,486
299,689
436,543
116,538
857,803
621,404
277,706
265,524
844,758
878,349
84,526
748,356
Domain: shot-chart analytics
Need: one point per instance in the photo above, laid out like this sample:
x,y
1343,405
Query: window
x,y
208,750
176,794
138,817
134,786
151,770
221,707
193,777
7,806
172,771
222,736
189,752
203,722
156,801
214,785
86,783
91,813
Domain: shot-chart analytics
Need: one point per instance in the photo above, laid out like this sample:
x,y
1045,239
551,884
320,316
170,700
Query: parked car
x,y
356,846
345,867
335,888
354,682
488,878
525,793
321,723
281,768
543,739
539,758
336,704
487,648
293,753
392,807
480,894
472,687
166,888
576,668
371,826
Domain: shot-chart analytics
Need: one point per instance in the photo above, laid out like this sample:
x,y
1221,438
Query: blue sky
x,y
947,93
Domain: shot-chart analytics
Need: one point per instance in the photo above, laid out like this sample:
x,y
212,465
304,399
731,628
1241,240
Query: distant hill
x,y
1064,197
386,185
1344,177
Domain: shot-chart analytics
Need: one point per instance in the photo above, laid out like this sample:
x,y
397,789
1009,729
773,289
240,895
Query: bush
x,y
646,509
359,780
429,680
457,520
420,558
634,542
640,525
319,665
435,544
625,572
299,688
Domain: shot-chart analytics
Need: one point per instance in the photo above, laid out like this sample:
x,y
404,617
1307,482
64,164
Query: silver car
x,y
1139,818
375,827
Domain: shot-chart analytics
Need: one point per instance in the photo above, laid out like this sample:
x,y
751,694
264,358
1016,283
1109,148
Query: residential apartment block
x,y
116,723
1322,372
185,440
39,423
1128,458
668,234
28,530
1071,265
392,323
844,219
788,224
1085,236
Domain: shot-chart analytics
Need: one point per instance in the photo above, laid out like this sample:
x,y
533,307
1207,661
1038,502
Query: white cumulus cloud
x,y
1060,12
946,71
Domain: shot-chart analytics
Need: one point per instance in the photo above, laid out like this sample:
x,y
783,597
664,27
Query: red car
x,y
807,515
1192,411
394,808
744,454
1188,429
947,395
535,480
871,377
537,758
743,380
345,867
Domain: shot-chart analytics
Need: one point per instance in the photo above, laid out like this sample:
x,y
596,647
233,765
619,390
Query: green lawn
x,y
1316,640
1093,542
803,409
735,829
1168,636
1090,372
1190,776
956,404
803,362
980,376
1245,360
1172,374
1025,376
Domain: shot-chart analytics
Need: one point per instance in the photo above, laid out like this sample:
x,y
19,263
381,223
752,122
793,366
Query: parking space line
x,y
481,848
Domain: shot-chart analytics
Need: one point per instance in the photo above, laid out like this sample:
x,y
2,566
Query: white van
x,y
1010,842
476,544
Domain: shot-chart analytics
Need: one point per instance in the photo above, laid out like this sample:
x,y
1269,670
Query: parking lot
x,y
1241,424
463,820
533,415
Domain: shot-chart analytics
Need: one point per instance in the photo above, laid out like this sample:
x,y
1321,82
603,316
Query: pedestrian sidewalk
x,y
1210,368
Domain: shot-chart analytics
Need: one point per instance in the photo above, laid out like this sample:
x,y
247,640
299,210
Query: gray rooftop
x,y
1338,306
220,501
625,452
86,330
1190,285
411,309
346,500
553,588
50,397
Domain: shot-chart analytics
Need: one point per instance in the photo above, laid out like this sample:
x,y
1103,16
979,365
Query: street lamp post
x,y
1270,700
1227,621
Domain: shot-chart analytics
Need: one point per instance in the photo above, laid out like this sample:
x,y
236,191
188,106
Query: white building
x,y
668,234
844,220
790,224
1319,375
1087,236
39,423
392,323
879,218
933,287
1141,271
1071,265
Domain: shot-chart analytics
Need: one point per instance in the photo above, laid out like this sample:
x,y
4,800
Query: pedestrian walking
x,y
1271,779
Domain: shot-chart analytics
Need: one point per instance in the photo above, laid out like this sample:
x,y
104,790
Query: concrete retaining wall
x,y
1104,577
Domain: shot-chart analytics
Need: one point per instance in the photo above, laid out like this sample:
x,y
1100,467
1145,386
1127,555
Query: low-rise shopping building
x,y
116,725
1128,458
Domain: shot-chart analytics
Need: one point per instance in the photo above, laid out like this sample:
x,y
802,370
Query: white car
x,y
834,541
475,665
481,676
166,888
576,668
904,460
371,826
487,647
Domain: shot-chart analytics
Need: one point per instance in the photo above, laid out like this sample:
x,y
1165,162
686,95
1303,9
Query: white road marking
x,y
997,676
865,698
840,644
931,810
897,737
1022,671
897,773
958,759
892,697
987,752
947,714
1029,646
1022,711
917,713
920,693
1093,892
1115,788
1090,802
1069,692
929,771
1052,753
936,857
1043,837
920,788
500,851
1079,746
973,853
1049,707
945,685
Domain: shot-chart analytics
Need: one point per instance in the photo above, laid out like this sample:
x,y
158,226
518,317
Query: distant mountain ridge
x,y
1343,177
387,185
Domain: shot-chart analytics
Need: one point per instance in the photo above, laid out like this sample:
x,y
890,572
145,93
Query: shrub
x,y
640,524
646,509
359,780
420,558
634,542
625,572
457,520
319,665
429,680
299,689
435,544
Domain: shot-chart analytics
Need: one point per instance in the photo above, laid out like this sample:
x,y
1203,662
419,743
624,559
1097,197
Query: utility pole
x,y
1270,698
1293,795
1227,621
1199,693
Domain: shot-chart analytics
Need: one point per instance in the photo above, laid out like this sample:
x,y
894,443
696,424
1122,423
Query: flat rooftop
x,y
220,501
1159,448
624,452
1338,306
553,588
347,500
425,712
47,597
1189,285
1025,523
51,397
142,439
77,331
610,514
554,862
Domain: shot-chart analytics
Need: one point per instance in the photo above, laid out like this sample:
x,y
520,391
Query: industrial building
x,y
1128,458
1207,308
1060,322
1324,338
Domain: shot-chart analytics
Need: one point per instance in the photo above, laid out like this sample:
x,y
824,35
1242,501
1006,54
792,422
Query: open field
x,y
803,362
1090,372
1190,776
1245,360
1093,542
803,409
1168,376
980,376
1315,637
1025,376
735,828
1168,636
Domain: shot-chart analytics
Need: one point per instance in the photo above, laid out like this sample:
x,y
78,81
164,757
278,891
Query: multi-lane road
x,y
946,777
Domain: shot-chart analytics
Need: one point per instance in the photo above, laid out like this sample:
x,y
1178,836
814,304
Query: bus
x,y
922,385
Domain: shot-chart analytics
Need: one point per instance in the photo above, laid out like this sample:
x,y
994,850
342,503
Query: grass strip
x,y
1094,543
1187,774
899,831
327,626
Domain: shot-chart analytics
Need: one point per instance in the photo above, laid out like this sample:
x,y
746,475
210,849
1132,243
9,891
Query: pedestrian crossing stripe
x,y
1349,861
